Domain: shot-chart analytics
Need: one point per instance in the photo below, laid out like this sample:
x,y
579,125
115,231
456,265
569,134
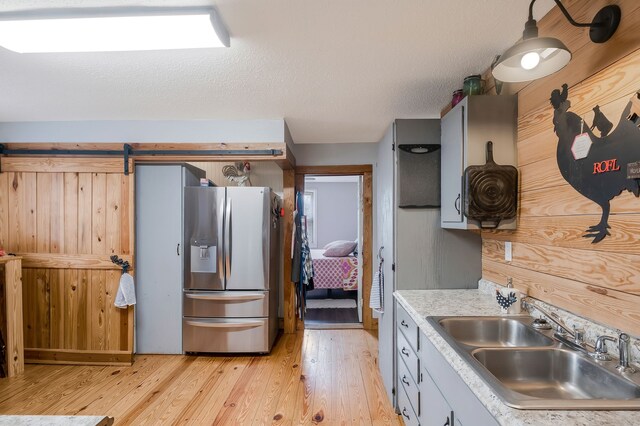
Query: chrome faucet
x,y
601,353
561,328
576,335
624,346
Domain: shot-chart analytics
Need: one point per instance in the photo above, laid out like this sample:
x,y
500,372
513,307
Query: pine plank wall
x,y
551,259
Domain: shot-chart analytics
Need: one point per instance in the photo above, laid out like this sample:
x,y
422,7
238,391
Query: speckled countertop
x,y
422,303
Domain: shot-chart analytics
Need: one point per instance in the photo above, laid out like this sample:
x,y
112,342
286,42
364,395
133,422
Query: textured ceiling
x,y
336,70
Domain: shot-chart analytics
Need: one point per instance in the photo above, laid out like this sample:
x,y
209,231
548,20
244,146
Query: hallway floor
x,y
312,377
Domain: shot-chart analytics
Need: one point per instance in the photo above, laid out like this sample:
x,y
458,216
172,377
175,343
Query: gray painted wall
x,y
383,236
314,154
429,257
337,210
196,131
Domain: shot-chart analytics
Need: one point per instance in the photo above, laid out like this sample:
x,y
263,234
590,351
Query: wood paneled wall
x,y
551,259
263,173
66,222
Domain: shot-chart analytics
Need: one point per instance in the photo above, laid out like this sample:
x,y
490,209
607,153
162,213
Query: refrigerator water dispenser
x,y
203,257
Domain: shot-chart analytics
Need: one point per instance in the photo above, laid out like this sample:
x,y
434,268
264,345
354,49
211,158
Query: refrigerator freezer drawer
x,y
225,335
240,304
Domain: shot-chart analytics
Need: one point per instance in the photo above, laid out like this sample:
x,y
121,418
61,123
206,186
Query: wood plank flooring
x,y
313,377
331,316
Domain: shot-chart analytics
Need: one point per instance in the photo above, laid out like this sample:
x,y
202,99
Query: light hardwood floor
x,y
312,377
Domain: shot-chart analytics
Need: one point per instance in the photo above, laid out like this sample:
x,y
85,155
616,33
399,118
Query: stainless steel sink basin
x,y
493,332
531,369
544,377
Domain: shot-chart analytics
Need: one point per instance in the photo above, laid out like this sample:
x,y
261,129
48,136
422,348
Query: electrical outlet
x,y
507,251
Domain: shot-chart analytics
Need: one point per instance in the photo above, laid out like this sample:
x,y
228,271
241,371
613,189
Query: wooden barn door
x,y
66,218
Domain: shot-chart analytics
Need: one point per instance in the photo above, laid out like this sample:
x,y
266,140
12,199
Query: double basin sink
x,y
530,369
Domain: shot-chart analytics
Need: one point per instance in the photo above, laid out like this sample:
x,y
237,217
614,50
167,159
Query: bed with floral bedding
x,y
334,272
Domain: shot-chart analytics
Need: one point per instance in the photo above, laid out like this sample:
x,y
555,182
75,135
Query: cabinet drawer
x,y
235,304
408,327
408,355
435,411
408,415
225,335
406,382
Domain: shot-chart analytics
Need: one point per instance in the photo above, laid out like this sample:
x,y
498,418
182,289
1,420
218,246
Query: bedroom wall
x,y
337,211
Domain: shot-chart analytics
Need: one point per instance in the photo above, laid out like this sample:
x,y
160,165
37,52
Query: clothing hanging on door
x,y
306,268
302,265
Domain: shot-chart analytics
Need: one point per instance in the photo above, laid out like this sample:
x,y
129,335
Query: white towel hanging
x,y
376,297
126,295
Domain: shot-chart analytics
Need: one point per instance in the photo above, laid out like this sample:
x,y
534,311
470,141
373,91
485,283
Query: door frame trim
x,y
366,203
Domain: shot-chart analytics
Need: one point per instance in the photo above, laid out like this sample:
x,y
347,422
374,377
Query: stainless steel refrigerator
x,y
230,292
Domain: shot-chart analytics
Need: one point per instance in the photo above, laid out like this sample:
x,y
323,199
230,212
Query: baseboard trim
x,y
77,357
330,326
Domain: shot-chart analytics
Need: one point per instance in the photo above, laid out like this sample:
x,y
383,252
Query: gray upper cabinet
x,y
465,131
452,166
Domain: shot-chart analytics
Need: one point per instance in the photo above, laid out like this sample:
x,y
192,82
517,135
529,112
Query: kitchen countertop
x,y
422,303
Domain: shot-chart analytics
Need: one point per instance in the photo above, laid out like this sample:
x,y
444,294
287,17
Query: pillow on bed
x,y
340,249
334,243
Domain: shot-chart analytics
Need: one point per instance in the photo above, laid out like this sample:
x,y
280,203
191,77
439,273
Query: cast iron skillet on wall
x,y
490,192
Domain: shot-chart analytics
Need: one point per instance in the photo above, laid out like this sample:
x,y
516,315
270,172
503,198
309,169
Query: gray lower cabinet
x,y
429,391
407,367
435,409
409,417
444,395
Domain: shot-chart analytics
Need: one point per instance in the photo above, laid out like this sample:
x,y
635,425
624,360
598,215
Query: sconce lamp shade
x,y
531,59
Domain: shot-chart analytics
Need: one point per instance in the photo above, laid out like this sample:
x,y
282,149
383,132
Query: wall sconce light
x,y
536,57
112,29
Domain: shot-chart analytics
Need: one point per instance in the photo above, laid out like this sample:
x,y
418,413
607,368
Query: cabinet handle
x,y
455,204
447,423
178,249
404,324
404,413
405,381
404,351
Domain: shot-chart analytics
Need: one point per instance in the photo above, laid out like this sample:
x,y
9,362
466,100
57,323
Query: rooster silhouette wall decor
x,y
598,167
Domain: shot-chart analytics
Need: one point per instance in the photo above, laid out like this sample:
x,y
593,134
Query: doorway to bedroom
x,y
334,219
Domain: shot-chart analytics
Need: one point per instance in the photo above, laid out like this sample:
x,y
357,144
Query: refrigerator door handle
x,y
227,239
247,324
228,298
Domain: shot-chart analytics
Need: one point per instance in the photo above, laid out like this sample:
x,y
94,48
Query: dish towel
x,y
376,298
126,295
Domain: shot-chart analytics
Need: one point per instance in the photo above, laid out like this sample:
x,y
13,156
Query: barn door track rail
x,y
128,152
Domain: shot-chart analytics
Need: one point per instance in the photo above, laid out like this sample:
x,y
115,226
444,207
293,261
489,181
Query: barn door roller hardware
x,y
128,152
